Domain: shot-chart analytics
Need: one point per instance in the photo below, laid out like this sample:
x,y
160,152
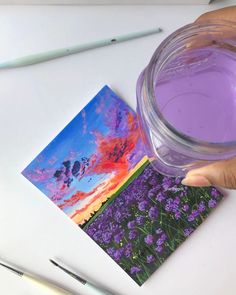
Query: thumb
x,y
222,173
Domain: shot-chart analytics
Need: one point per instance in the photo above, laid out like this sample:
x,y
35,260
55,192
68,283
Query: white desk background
x,y
36,103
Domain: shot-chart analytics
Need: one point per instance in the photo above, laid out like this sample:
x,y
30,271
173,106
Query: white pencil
x,y
53,54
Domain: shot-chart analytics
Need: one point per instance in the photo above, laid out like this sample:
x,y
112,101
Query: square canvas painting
x,y
96,171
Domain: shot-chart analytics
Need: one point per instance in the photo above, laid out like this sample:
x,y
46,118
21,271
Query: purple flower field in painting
x,y
148,220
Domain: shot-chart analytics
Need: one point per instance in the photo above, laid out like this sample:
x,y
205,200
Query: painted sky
x,y
90,156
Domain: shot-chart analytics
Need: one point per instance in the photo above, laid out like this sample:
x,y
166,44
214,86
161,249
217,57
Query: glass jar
x,y
186,98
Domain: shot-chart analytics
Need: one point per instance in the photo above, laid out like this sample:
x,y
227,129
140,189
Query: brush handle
x,y
45,286
96,291
49,55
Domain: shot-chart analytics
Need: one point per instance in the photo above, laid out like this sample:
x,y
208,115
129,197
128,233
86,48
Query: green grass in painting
x,y
124,186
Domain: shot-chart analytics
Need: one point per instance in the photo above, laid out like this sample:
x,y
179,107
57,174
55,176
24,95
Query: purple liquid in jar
x,y
196,94
186,98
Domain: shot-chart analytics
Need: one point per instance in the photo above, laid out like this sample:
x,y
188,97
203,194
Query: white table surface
x,y
36,103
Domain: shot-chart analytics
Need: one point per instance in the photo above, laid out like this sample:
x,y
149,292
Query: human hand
x,y
227,13
221,173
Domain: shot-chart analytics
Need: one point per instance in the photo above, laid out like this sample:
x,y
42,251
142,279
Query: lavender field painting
x,y
148,220
96,171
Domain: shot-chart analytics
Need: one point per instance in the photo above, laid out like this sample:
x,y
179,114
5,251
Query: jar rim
x,y
155,114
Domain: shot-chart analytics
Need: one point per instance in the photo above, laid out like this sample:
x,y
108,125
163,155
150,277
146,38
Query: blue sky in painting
x,y
73,139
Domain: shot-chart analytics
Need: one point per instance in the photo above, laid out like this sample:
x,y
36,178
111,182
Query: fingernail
x,y
196,180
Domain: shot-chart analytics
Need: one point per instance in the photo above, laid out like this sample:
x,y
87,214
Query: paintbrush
x,y
39,282
91,287
53,54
